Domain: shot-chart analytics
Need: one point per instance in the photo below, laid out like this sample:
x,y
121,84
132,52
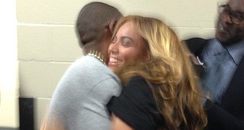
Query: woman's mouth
x,y
113,61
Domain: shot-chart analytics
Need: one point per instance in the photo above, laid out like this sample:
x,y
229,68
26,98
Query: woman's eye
x,y
126,42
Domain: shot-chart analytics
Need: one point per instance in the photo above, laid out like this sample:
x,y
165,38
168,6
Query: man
x,y
80,99
223,61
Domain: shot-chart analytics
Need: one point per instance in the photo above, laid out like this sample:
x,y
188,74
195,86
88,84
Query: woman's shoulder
x,y
138,88
136,105
137,82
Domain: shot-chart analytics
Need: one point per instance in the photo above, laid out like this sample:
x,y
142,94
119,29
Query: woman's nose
x,y
113,48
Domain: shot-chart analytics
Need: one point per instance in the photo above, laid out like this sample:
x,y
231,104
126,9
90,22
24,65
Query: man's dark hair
x,y
92,21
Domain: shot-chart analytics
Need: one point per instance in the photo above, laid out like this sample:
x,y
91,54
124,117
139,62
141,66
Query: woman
x,y
161,89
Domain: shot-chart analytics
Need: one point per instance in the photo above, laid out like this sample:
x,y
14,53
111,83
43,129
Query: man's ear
x,y
111,25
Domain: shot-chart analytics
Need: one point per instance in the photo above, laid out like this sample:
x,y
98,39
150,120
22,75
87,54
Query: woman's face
x,y
127,45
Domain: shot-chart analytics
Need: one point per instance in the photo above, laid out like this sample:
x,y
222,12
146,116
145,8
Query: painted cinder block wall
x,y
47,43
9,84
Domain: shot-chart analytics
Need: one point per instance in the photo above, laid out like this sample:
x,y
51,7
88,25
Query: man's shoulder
x,y
89,67
195,44
89,62
196,40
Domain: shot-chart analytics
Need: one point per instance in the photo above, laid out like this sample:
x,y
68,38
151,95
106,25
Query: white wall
x,y
8,65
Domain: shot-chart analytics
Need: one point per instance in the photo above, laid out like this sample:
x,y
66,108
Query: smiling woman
x,y
127,45
160,87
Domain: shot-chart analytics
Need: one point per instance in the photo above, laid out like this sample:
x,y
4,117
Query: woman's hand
x,y
118,124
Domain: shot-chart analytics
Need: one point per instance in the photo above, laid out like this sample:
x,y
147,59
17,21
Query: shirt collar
x,y
214,47
236,51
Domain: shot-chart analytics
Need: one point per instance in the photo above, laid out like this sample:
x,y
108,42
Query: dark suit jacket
x,y
229,115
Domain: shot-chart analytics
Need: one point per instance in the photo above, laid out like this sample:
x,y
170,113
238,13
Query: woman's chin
x,y
113,68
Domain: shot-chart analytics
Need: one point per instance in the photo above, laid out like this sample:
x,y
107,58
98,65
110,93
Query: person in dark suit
x,y
222,62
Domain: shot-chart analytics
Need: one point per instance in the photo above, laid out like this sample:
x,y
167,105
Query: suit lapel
x,y
195,45
234,95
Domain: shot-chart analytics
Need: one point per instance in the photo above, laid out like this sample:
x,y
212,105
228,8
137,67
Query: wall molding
x,y
4,128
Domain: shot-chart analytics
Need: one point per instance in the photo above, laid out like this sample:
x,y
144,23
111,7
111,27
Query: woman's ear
x,y
148,56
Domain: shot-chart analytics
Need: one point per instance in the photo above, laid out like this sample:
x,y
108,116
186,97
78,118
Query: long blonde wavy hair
x,y
169,73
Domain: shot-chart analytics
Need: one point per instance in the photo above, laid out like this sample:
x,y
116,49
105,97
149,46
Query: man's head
x,y
230,24
94,26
